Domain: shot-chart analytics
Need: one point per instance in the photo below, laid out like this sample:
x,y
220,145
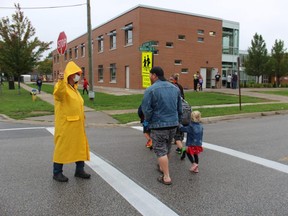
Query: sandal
x,y
161,180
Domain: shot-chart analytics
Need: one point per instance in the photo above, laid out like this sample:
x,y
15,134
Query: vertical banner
x,y
146,65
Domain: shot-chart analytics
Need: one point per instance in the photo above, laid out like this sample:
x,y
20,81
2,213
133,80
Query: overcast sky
x,y
266,17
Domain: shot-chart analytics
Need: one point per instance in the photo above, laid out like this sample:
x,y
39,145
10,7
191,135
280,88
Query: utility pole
x,y
90,59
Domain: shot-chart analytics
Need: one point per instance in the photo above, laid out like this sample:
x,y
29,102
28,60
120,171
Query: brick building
x,y
180,43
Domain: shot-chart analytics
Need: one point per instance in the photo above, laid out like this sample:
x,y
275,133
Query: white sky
x,y
266,17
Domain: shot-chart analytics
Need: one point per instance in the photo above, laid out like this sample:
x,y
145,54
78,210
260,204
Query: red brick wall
x,y
157,25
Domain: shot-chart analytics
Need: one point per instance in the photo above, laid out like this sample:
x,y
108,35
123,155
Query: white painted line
x,y
142,201
254,159
15,129
258,160
139,198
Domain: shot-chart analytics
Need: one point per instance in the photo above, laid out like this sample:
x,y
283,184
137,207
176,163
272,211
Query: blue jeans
x,y
58,168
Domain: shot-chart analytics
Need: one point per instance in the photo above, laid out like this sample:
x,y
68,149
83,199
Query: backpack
x,y
186,116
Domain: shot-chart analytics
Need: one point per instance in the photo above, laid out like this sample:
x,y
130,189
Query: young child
x,y
194,140
146,129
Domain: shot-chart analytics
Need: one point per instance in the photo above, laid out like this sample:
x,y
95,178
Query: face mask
x,y
76,78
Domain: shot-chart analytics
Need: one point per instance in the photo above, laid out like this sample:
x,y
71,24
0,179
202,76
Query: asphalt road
x,y
243,171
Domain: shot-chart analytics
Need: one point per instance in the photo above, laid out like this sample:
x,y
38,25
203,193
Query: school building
x,y
127,46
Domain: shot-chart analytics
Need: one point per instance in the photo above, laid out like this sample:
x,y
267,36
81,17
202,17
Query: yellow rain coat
x,y
70,139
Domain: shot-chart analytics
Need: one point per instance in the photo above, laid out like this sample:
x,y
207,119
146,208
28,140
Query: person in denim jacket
x,y
162,108
194,140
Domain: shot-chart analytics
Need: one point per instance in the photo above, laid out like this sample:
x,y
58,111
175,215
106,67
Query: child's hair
x,y
196,116
176,76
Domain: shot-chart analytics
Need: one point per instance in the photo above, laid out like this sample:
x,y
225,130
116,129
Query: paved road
x,y
243,171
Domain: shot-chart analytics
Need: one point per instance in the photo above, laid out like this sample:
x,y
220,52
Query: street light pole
x,y
91,74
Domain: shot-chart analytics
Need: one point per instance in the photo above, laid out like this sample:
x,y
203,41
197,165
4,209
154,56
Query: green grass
x,y
282,92
21,106
212,112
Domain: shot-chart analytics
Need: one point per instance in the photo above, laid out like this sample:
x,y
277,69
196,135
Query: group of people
x,y
198,81
161,109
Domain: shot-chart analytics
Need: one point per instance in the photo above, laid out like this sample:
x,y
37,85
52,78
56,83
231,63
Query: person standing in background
x,y
196,80
39,84
217,79
85,85
229,78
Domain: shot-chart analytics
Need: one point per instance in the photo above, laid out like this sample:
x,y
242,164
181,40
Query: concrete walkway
x,y
100,118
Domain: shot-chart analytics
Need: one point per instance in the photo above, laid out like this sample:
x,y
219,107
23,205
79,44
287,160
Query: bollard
x,y
33,93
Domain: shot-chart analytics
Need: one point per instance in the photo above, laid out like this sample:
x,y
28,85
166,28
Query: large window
x,y
100,40
230,38
70,53
82,49
100,73
113,72
128,34
112,35
76,52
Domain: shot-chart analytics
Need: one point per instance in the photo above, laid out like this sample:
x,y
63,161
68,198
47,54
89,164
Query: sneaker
x,y
60,177
149,143
183,154
178,150
82,174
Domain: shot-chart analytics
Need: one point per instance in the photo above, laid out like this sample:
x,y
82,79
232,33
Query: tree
x,y
45,66
19,48
279,61
256,61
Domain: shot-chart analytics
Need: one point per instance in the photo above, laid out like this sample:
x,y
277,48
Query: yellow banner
x,y
146,81
147,62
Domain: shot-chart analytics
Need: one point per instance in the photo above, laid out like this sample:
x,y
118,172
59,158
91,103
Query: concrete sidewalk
x,y
100,118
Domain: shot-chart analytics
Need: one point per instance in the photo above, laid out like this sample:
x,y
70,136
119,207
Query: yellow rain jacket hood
x,y
70,139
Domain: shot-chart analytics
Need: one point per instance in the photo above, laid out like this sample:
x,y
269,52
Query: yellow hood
x,y
71,68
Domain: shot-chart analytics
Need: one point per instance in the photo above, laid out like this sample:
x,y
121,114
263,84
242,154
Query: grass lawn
x,y
21,106
282,92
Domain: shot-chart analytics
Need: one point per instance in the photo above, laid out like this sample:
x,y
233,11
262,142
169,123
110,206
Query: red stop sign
x,y
62,43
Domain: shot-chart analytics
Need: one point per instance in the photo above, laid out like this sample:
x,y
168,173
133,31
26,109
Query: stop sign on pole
x,y
62,43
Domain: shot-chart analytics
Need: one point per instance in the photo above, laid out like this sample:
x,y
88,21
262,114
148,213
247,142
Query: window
x,y
181,37
113,72
212,33
169,44
100,73
100,40
184,70
57,58
112,35
200,39
177,62
76,52
128,34
65,55
200,32
82,49
70,53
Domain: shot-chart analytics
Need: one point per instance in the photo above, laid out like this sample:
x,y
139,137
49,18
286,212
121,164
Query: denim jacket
x,y
162,105
194,133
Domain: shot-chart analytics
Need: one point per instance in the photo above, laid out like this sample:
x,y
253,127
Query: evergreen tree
x,y
256,61
279,61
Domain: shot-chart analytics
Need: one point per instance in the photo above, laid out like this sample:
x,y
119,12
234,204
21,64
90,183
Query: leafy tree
x,y
19,48
279,61
256,61
45,66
